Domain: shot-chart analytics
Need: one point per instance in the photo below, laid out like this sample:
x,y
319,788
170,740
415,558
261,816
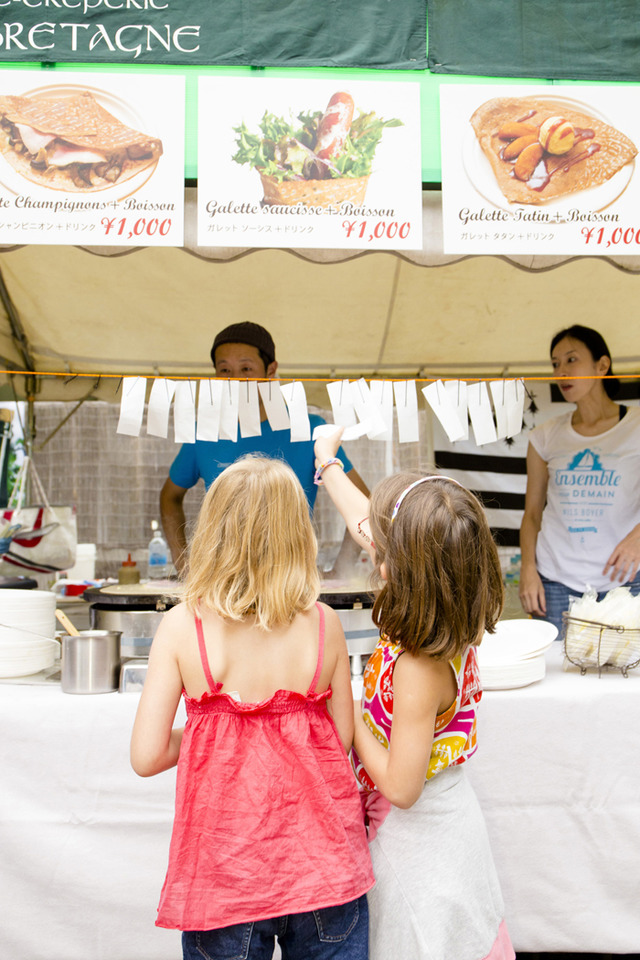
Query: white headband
x,y
415,483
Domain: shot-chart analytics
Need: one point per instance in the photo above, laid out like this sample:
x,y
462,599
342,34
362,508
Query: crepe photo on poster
x,y
90,136
534,169
308,164
71,142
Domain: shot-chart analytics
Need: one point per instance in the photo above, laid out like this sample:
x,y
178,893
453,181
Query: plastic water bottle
x,y
158,554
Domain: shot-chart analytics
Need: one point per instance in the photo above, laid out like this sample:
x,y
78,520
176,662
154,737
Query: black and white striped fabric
x,y
497,472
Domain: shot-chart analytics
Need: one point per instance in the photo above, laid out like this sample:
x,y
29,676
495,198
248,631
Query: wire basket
x,y
588,643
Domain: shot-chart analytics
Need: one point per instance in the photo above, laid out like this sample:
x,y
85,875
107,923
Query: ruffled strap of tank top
x,y
203,653
316,676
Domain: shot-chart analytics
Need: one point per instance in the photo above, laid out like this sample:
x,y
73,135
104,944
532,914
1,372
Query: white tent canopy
x,y
154,311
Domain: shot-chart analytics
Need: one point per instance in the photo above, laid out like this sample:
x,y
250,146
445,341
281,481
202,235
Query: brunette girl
x,y
437,896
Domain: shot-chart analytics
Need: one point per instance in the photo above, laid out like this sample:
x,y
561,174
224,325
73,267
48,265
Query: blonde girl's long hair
x,y
253,552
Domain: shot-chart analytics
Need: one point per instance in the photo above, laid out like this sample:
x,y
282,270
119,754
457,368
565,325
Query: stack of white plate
x,y
21,658
513,656
27,631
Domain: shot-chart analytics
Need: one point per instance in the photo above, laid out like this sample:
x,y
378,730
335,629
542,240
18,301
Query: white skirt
x,y
437,895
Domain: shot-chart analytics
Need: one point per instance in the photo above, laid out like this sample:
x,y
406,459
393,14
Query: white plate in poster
x,y
121,110
482,177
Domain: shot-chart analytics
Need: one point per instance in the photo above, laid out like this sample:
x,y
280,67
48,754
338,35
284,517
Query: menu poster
x,y
540,169
92,159
310,163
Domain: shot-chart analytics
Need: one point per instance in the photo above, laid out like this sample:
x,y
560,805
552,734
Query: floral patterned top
x,y
455,732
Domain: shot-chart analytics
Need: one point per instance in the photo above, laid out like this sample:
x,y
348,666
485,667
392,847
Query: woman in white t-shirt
x,y
581,524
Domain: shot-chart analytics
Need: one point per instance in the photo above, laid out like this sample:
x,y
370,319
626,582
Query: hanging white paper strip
x,y
184,412
160,398
441,403
499,395
515,410
340,395
249,409
229,410
367,410
134,390
481,414
406,397
456,390
296,399
382,398
209,400
274,405
508,403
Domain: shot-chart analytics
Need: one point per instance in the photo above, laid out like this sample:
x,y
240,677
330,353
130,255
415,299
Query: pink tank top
x,y
268,819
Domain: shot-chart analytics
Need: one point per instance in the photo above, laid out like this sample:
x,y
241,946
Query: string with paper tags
x,y
220,409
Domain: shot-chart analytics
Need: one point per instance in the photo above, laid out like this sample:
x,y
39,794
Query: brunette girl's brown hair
x,y
253,552
443,584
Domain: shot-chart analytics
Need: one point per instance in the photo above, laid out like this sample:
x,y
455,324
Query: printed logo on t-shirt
x,y
584,488
585,470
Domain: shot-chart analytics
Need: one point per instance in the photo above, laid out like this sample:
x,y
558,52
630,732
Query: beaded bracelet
x,y
317,477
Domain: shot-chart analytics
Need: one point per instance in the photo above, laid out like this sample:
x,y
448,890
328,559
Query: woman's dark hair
x,y
597,347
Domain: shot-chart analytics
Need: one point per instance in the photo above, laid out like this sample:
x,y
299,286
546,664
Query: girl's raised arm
x,y
155,745
351,502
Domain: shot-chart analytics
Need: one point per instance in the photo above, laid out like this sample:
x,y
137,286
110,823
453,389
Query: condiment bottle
x,y
128,572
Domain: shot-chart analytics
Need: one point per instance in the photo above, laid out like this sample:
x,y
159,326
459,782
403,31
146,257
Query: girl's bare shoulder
x,y
416,673
175,622
333,630
180,613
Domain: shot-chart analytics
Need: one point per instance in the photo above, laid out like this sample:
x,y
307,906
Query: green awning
x,y
546,39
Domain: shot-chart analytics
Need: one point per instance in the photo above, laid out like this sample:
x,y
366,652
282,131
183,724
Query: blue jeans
x,y
333,933
557,597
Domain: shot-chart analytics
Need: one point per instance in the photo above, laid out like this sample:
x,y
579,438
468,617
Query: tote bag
x,y
47,539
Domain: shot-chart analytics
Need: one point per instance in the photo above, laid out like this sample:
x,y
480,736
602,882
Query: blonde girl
x,y
268,841
437,896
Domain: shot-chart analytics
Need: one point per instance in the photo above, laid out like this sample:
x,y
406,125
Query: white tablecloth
x,y
557,773
83,841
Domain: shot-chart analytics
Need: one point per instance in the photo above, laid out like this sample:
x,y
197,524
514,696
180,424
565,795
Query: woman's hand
x,y
531,592
624,562
326,448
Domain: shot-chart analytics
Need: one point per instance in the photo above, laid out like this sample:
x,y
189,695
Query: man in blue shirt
x,y
241,350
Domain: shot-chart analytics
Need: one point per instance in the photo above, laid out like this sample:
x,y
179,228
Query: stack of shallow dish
x,y
27,631
513,656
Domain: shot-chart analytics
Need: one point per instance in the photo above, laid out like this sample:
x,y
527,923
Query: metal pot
x,y
133,610
91,662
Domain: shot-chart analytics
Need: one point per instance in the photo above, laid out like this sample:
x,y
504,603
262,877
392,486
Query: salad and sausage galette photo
x,y
318,159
